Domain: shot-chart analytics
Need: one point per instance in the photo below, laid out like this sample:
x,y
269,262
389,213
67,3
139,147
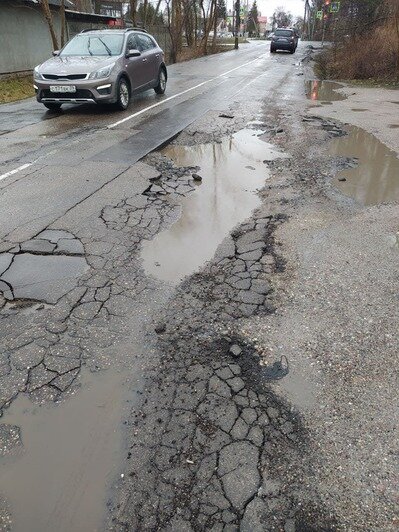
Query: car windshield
x,y
283,33
90,44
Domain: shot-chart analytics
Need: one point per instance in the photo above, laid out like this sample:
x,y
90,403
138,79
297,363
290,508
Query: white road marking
x,y
15,171
180,94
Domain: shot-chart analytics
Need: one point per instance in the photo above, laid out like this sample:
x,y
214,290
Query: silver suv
x,y
101,66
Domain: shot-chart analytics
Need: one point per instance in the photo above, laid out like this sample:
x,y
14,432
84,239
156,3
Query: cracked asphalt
x,y
258,392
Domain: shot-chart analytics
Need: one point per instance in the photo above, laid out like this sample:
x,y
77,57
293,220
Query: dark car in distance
x,y
284,39
101,66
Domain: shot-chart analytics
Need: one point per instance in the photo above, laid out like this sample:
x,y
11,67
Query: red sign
x,y
116,23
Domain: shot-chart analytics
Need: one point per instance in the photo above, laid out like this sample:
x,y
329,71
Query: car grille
x,y
70,76
80,93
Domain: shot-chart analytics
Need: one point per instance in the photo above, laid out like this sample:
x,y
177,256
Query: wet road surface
x,y
132,398
60,172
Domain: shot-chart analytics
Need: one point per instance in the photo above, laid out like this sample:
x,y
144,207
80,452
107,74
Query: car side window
x,y
132,43
144,43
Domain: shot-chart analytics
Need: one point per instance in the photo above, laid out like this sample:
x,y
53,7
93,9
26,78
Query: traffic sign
x,y
319,14
334,7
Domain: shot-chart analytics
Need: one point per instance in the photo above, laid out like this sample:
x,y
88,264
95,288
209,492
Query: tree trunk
x,y
145,8
133,12
154,16
177,25
49,19
215,25
63,22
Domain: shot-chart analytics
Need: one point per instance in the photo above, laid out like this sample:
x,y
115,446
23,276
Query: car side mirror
x,y
133,53
56,52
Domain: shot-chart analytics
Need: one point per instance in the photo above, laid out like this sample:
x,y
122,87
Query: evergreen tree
x,y
252,25
221,9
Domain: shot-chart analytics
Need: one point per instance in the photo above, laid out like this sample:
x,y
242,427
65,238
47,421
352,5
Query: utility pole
x,y
237,10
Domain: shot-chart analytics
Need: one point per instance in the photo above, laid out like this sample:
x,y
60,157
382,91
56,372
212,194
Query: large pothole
x,y
375,179
44,268
232,172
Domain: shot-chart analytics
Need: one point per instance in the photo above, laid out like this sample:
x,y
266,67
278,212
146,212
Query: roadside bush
x,y
371,56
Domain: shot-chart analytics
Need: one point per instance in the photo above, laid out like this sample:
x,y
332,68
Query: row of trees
x,y
193,19
353,18
366,37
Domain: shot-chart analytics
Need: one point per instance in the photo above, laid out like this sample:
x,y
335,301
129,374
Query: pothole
x,y
232,172
42,269
54,458
323,90
376,177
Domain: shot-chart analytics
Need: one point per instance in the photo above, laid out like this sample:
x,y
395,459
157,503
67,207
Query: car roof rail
x,y
90,29
134,28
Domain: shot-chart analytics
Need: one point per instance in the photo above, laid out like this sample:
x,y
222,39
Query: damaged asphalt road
x,y
242,393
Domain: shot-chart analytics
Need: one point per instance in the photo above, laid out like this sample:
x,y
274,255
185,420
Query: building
x,y
23,28
262,25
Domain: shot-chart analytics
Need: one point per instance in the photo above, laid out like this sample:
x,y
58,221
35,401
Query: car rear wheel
x,y
161,87
123,95
52,106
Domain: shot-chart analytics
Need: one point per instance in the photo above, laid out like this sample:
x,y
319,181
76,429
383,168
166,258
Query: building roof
x,y
68,3
72,14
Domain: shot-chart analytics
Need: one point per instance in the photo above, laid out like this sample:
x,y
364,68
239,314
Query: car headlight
x,y
36,74
102,73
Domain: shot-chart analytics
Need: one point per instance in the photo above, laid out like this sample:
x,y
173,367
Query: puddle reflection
x,y
232,173
376,178
323,90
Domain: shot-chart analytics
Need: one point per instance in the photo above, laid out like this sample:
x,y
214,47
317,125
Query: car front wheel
x,y
161,87
123,95
272,49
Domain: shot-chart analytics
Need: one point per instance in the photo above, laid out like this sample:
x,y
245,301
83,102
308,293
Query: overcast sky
x,y
267,7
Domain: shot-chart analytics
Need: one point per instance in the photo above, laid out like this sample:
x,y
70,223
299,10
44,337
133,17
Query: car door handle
x,y
157,55
144,60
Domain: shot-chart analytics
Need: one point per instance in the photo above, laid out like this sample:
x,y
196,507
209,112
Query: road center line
x,y
180,94
15,171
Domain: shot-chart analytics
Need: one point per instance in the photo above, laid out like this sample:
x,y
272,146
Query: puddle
x,y
232,172
376,178
358,110
393,126
323,90
71,452
42,269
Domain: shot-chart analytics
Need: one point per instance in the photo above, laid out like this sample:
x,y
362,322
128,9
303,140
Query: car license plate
x,y
62,88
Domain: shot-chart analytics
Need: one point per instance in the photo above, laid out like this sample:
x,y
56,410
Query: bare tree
x,y
63,22
133,12
50,22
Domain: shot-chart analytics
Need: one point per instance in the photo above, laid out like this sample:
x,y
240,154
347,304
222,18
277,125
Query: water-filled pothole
x,y
232,171
55,476
376,177
42,269
323,90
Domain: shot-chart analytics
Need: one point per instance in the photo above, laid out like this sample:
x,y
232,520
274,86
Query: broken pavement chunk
x,y
235,350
